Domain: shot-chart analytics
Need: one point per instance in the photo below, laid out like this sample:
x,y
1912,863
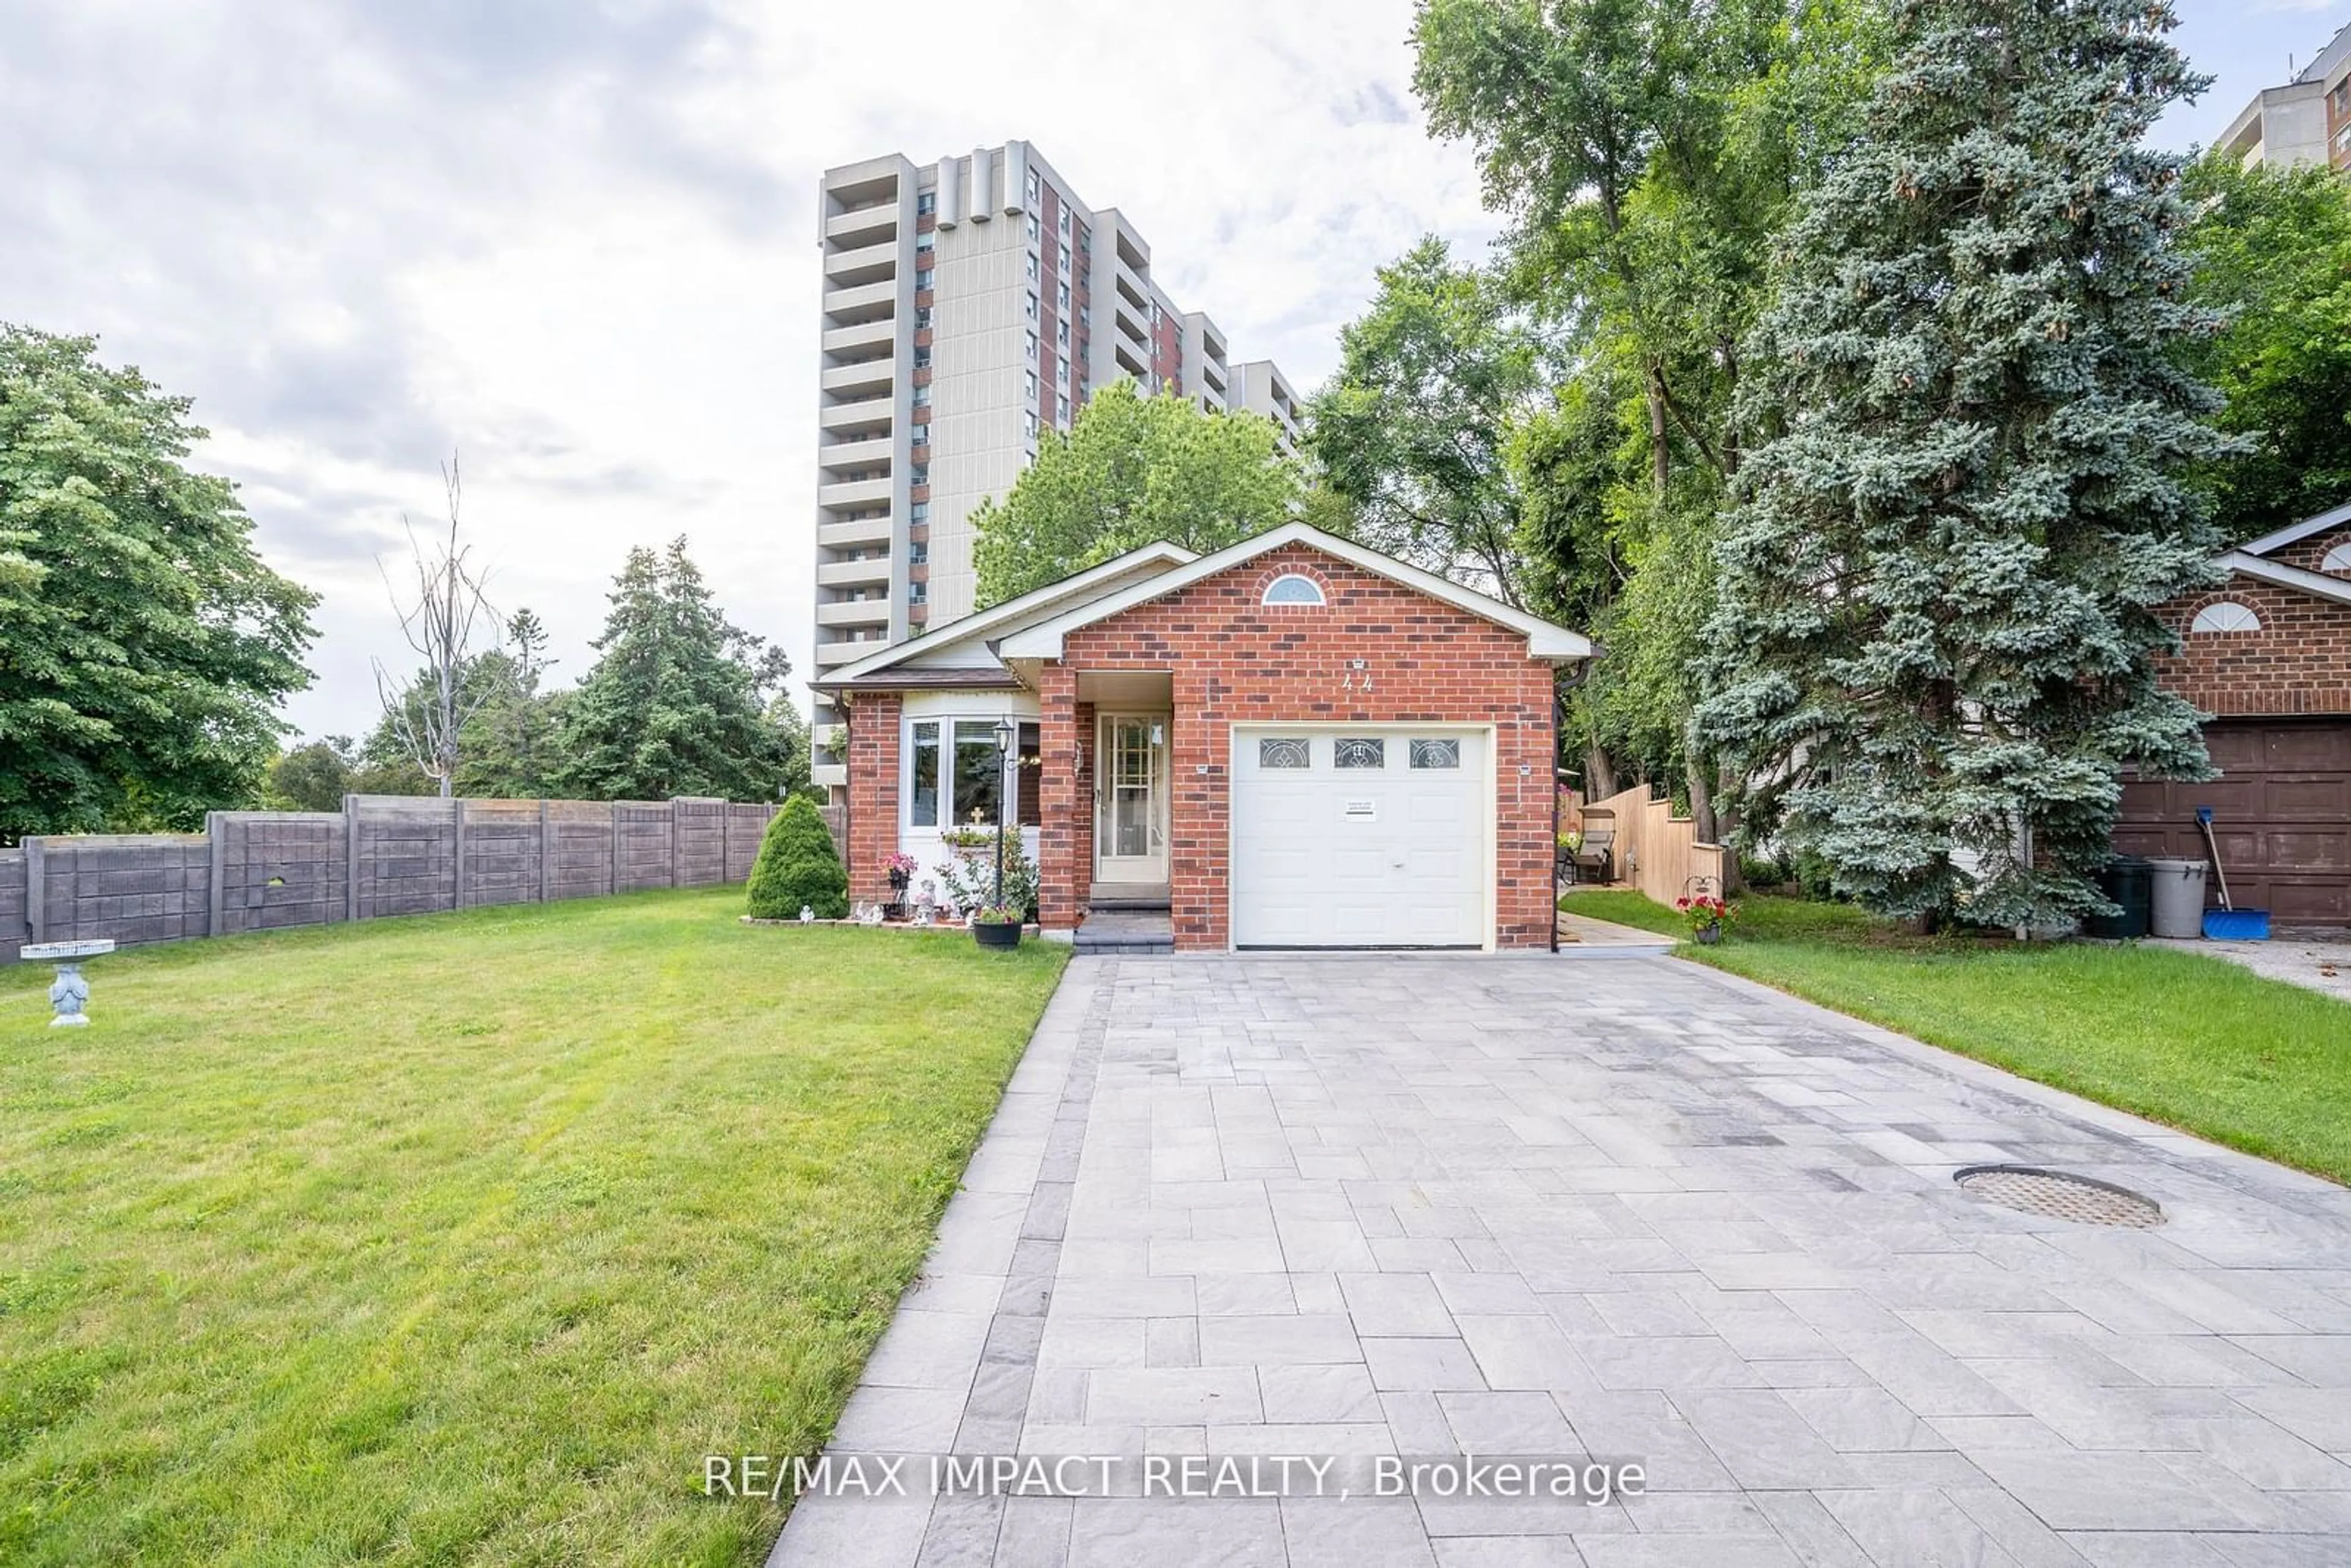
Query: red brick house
x,y
1294,742
2268,655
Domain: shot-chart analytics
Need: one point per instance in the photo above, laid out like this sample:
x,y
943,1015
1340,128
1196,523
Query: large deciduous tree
x,y
1131,471
1410,431
1938,594
1647,153
2272,250
144,646
678,701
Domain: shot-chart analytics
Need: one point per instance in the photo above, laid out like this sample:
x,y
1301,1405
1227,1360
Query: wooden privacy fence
x,y
1657,851
380,855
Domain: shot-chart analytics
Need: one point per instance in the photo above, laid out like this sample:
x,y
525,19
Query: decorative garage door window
x,y
1436,754
1284,751
1357,751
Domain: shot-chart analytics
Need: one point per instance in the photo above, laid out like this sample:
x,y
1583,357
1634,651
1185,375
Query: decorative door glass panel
x,y
1352,751
1131,781
1436,754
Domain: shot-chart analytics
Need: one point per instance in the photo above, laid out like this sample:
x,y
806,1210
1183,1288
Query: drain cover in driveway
x,y
2053,1195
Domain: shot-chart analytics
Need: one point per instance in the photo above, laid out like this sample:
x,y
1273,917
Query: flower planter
x,y
1707,935
995,936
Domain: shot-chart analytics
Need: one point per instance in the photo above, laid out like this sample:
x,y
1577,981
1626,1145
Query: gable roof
x,y
2295,533
999,619
1042,638
2316,583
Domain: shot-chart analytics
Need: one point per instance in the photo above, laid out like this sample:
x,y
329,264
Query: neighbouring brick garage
x,y
2281,813
2268,655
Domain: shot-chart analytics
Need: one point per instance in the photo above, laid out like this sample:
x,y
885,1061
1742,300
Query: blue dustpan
x,y
2227,924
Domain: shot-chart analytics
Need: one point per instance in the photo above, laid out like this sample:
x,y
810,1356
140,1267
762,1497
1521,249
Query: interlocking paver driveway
x,y
1617,1206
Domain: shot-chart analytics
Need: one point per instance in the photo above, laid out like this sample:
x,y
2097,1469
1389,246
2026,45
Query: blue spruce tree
x,y
1964,497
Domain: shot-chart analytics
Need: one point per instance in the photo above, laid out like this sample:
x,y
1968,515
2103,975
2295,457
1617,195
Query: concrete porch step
x,y
1127,896
1125,931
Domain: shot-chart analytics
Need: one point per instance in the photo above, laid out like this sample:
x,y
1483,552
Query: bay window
x,y
958,771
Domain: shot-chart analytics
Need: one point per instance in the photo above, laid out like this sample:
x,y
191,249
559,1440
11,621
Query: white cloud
x,y
576,242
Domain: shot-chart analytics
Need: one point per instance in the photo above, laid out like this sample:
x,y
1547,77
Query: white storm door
x,y
1130,799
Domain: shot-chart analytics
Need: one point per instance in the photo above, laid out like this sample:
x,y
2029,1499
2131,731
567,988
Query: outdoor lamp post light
x,y
1005,735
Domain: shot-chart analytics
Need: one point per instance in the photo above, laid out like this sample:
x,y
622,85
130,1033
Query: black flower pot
x,y
994,935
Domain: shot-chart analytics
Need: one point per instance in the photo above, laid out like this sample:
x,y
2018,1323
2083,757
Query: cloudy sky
x,y
574,240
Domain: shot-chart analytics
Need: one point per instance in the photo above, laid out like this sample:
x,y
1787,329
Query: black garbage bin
x,y
2129,880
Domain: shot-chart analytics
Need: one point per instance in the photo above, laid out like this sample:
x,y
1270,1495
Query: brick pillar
x,y
1081,877
1065,805
874,767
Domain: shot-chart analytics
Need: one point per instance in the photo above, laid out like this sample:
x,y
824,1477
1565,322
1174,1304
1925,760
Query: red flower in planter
x,y
1705,912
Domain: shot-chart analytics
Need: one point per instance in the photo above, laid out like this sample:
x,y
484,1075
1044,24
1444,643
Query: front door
x,y
1130,799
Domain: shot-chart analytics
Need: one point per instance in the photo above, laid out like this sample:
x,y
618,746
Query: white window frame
x,y
1293,580
2224,617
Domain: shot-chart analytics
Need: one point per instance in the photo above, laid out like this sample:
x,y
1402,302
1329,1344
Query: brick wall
x,y
2298,663
873,771
1235,660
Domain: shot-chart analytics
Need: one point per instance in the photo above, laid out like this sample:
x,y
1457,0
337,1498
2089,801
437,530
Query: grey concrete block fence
x,y
380,855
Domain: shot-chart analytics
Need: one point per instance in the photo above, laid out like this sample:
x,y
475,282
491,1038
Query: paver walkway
x,y
1623,1206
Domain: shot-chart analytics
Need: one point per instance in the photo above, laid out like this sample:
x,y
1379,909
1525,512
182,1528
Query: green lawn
x,y
2192,1042
463,1239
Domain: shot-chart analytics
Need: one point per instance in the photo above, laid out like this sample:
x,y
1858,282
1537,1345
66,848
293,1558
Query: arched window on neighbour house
x,y
2338,558
2226,615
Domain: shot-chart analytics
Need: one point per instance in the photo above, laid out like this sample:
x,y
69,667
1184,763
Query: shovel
x,y
2228,923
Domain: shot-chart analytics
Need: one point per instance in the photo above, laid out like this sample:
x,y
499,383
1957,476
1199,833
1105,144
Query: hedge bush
x,y
798,867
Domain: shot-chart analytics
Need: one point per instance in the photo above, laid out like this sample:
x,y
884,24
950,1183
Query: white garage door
x,y
1360,837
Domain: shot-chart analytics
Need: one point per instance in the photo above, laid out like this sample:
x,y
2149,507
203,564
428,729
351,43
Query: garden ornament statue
x,y
807,914
69,992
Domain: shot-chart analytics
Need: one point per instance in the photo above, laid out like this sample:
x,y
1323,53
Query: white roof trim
x,y
2295,533
2317,583
1544,641
1035,601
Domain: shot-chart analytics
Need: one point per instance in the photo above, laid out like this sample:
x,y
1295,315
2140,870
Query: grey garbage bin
x,y
2178,902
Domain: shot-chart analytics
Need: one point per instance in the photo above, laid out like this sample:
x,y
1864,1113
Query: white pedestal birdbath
x,y
68,992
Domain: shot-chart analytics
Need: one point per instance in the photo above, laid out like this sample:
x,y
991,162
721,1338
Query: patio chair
x,y
1594,857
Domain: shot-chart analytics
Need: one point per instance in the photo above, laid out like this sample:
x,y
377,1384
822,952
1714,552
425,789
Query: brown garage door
x,y
2281,809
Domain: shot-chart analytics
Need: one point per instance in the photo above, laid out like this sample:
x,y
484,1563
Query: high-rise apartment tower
x,y
969,304
2307,121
